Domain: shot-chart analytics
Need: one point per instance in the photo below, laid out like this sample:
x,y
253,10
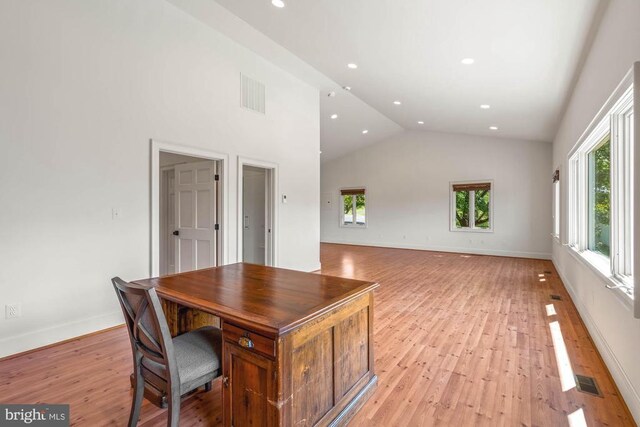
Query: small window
x,y
353,213
556,204
471,207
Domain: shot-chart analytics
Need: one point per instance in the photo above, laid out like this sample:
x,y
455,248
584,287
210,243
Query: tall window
x,y
601,192
556,203
471,208
353,212
599,209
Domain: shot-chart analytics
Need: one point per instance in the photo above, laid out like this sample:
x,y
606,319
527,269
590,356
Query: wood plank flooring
x,y
460,340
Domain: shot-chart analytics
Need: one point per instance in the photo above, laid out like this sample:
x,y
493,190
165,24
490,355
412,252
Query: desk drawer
x,y
249,340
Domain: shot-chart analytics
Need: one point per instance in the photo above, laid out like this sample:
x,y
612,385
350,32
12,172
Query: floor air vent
x,y
547,272
587,385
556,297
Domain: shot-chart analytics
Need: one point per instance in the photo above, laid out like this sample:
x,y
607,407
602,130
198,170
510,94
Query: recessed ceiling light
x,y
397,102
347,88
485,106
364,132
334,116
493,127
420,122
277,3
352,66
468,61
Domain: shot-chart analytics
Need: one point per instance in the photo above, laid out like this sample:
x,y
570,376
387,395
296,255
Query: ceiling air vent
x,y
252,94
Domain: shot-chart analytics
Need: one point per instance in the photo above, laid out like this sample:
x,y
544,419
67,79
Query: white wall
x,y
607,314
84,85
407,182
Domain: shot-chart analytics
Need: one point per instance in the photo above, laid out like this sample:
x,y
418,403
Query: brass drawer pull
x,y
245,342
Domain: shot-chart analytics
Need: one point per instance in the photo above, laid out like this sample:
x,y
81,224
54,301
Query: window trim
x,y
341,213
556,205
610,120
472,202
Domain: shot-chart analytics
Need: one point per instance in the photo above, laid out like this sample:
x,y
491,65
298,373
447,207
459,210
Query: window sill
x,y
595,263
471,230
353,226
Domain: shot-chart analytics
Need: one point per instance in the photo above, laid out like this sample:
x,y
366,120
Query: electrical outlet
x,y
116,213
11,311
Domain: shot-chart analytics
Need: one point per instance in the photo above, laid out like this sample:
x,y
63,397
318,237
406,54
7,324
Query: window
x,y
601,192
599,209
471,206
556,204
353,213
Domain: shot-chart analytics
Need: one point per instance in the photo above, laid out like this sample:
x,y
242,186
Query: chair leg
x,y
207,386
138,394
174,409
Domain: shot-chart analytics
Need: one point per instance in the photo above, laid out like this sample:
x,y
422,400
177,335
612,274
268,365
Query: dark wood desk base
x,y
319,374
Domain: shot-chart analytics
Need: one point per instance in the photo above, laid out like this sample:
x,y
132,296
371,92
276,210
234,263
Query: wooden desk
x,y
297,347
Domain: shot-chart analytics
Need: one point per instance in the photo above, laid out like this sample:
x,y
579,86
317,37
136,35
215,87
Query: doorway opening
x,y
189,213
188,189
257,212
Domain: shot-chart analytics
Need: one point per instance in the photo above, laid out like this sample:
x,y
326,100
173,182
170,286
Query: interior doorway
x,y
189,209
257,212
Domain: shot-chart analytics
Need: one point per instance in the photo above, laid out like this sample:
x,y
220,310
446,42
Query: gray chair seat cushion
x,y
197,355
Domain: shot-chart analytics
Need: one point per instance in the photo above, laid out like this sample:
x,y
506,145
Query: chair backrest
x,y
147,326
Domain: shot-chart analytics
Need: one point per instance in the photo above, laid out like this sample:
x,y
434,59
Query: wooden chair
x,y
174,366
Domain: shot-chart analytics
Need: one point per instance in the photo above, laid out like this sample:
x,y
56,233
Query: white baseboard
x,y
474,251
51,335
31,340
628,391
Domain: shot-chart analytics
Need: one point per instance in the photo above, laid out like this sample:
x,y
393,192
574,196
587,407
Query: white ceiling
x,y
337,137
526,54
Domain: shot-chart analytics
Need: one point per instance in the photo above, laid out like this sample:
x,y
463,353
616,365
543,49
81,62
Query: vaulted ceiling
x,y
525,55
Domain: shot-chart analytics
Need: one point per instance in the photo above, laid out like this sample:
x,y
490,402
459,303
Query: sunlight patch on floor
x,y
551,310
565,371
577,419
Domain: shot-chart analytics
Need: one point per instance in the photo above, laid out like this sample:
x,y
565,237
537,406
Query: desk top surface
x,y
270,300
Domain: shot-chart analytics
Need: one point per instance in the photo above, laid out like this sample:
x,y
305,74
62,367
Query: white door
x,y
195,216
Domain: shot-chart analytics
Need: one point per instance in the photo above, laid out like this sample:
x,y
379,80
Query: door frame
x,y
271,208
164,211
158,146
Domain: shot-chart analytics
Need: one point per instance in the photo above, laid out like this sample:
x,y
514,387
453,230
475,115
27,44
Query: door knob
x,y
176,233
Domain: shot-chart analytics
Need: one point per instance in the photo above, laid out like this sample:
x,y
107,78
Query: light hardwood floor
x,y
460,340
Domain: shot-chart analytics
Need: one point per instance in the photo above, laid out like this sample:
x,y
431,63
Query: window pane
x,y
600,197
347,206
482,219
360,210
462,209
